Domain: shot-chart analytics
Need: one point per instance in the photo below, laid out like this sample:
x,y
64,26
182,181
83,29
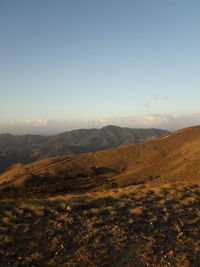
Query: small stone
x,y
69,209
170,252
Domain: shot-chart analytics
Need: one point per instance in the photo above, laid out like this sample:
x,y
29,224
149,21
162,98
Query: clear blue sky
x,y
87,59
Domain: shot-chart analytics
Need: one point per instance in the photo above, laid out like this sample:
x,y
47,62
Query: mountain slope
x,y
171,158
135,205
29,148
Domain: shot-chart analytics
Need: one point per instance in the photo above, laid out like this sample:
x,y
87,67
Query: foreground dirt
x,y
145,225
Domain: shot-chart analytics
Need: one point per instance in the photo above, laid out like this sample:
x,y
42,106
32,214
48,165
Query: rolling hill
x,y
29,148
171,158
132,206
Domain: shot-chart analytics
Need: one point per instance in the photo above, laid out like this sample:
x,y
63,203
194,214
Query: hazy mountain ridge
x,y
29,148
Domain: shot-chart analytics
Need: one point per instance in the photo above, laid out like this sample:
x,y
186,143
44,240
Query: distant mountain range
x,y
29,148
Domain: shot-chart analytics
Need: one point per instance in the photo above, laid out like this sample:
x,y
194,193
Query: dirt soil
x,y
144,225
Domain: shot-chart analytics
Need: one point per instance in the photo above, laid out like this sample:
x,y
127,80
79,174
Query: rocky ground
x,y
144,225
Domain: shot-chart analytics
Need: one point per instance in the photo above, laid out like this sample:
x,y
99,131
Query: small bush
x,y
110,185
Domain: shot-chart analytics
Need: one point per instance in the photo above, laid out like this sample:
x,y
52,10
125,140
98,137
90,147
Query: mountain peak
x,y
110,126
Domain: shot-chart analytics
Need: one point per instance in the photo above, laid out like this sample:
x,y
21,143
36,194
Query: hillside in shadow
x,y
29,148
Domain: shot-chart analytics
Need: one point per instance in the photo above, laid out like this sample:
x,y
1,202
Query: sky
x,y
67,64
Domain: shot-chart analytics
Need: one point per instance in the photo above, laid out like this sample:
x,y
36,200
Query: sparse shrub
x,y
94,211
102,170
83,174
6,239
62,206
110,185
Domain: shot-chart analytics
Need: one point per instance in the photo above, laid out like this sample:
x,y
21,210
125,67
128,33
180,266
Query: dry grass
x,y
143,225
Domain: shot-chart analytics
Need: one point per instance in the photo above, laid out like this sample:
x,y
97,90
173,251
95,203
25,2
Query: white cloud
x,y
36,122
43,126
147,105
156,98
170,122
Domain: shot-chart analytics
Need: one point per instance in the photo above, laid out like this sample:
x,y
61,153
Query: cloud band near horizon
x,y
48,127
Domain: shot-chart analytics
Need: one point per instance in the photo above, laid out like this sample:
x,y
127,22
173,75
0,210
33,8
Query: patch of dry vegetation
x,y
138,226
